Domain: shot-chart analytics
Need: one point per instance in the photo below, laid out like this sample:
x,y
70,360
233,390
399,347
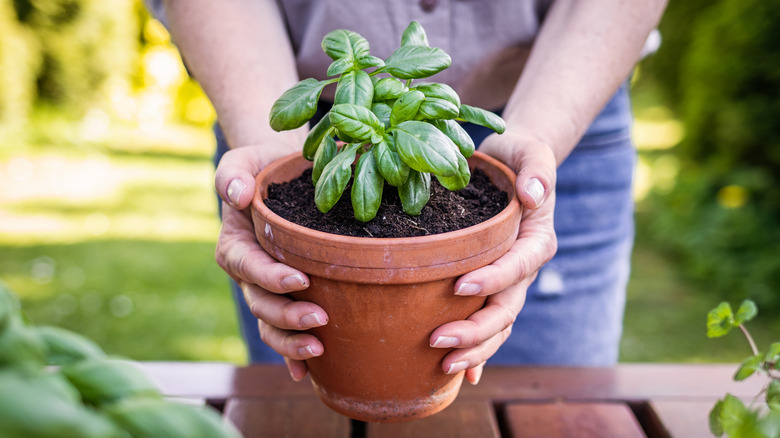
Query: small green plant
x,y
403,132
730,415
58,384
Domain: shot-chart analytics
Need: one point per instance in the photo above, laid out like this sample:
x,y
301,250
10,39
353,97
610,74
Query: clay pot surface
x,y
384,298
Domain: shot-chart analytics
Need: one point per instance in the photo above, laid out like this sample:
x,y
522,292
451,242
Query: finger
x,y
297,368
282,312
473,375
239,254
467,358
498,314
536,245
290,344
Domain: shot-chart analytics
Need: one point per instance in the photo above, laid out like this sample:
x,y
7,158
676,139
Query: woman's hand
x,y
506,280
263,280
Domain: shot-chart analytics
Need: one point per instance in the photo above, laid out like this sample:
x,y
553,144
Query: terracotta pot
x,y
384,298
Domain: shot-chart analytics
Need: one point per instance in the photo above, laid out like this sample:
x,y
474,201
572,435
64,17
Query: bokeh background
x,y
108,218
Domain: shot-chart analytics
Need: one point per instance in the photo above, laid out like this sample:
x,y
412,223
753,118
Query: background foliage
x,y
719,71
108,216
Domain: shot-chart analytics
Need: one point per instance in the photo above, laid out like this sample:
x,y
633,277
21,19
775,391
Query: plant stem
x,y
749,338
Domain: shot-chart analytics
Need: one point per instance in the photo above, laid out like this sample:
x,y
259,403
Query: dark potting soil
x,y
446,211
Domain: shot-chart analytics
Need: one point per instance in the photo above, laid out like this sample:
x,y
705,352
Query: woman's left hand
x,y
506,280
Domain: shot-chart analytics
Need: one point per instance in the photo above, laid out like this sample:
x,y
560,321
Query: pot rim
x,y
381,242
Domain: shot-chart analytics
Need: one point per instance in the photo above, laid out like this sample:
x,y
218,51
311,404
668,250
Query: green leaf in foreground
x,y
356,88
405,108
414,35
416,62
315,137
101,381
392,168
748,367
457,134
459,180
297,105
716,427
425,149
720,320
367,188
324,154
481,117
64,347
342,43
415,192
773,395
355,121
334,178
747,311
150,418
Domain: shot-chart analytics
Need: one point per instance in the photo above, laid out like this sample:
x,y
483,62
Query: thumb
x,y
536,176
234,179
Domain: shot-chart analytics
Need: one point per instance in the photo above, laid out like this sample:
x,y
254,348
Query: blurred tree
x,y
64,50
720,70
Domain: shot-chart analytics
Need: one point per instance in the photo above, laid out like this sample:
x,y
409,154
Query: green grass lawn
x,y
115,239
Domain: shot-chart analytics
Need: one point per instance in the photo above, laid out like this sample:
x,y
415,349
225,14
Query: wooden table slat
x,y
286,418
682,419
463,418
570,420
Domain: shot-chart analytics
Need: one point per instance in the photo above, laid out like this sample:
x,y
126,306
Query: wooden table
x,y
630,400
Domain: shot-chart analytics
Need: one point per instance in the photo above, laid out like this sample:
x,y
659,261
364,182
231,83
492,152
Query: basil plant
x,y
399,130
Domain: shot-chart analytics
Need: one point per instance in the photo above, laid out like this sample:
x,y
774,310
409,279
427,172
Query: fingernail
x,y
306,352
457,367
466,289
534,189
234,190
293,282
446,342
311,320
477,375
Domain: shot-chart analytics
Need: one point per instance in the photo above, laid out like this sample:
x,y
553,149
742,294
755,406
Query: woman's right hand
x,y
263,279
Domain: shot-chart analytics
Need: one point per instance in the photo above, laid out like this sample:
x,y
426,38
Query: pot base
x,y
391,410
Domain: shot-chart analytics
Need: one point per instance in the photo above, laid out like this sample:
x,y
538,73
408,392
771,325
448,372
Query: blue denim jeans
x,y
573,313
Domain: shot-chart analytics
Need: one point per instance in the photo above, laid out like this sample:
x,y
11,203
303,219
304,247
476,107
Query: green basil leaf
x,y
405,108
323,156
388,88
716,427
414,35
425,149
435,108
773,395
367,188
439,91
382,111
102,381
748,367
355,87
415,192
391,167
720,320
343,43
368,62
415,62
747,311
481,117
64,347
737,420
459,180
315,136
357,122
334,178
457,134
340,66
773,354
297,105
